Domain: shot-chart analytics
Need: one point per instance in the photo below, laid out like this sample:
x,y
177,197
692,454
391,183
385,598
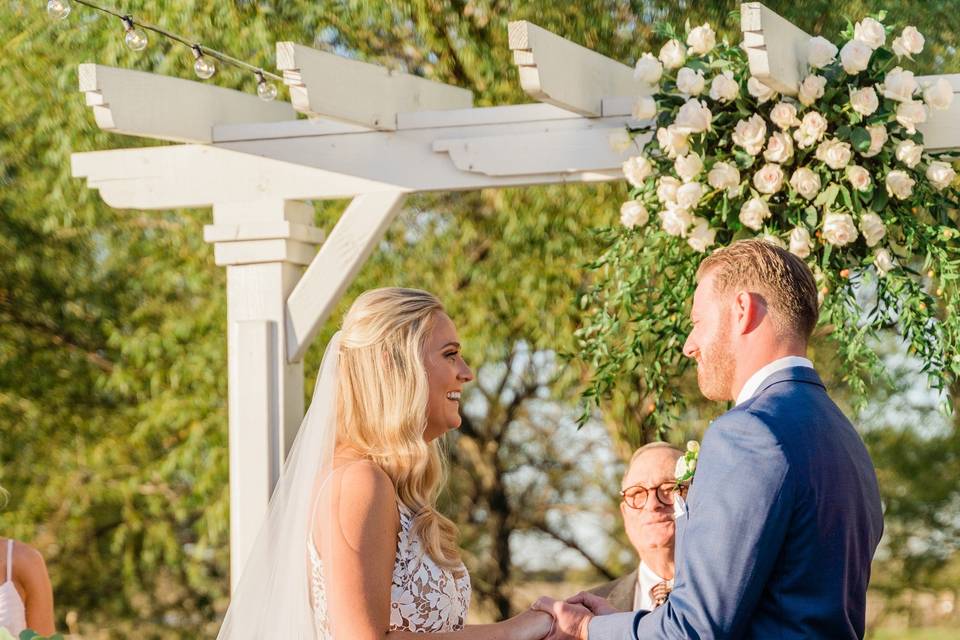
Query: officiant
x,y
647,491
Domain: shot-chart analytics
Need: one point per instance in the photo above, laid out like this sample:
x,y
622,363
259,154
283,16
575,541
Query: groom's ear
x,y
749,310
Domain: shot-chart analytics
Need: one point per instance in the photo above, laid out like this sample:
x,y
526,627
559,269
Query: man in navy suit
x,y
784,515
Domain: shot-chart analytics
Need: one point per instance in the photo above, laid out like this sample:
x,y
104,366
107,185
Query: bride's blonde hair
x,y
382,399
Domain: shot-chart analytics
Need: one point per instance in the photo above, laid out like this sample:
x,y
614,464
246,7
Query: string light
x,y
135,38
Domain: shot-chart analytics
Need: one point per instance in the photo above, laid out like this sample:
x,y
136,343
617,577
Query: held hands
x,y
530,625
570,620
594,603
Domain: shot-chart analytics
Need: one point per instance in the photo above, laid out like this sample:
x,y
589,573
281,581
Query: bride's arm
x,y
529,625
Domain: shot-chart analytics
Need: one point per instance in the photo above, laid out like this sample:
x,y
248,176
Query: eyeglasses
x,y
635,497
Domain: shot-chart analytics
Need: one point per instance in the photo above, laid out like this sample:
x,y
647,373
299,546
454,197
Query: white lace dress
x,y
423,597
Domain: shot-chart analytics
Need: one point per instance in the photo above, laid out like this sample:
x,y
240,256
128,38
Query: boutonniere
x,y
687,463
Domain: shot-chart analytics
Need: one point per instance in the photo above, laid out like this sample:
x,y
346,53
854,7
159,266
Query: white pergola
x,y
373,136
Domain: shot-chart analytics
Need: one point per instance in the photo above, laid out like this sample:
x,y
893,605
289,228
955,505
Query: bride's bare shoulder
x,y
365,504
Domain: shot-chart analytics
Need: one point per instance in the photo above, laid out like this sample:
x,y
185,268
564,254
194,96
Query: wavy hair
x,y
381,404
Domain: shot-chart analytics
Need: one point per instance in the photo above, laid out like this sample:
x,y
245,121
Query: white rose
x,y
784,115
859,177
820,52
648,69
702,39
805,182
637,169
690,82
779,148
680,468
899,184
693,117
675,221
620,140
759,90
811,90
750,134
909,43
909,152
702,237
883,262
645,108
940,174
839,229
811,129
939,95
864,101
800,242
724,88
878,138
723,175
855,57
873,228
672,141
689,195
870,32
667,190
753,212
672,55
834,154
910,114
633,214
688,167
899,85
769,179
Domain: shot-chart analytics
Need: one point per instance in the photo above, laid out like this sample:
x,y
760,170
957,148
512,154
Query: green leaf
x,y
860,138
827,196
880,199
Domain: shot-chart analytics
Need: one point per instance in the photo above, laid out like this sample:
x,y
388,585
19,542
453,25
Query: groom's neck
x,y
750,358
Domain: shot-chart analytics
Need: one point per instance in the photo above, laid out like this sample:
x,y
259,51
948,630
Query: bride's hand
x,y
530,625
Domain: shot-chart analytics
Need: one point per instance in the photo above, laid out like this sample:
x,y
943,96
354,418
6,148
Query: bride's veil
x,y
273,597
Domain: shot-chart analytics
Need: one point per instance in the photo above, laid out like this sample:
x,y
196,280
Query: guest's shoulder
x,y
29,567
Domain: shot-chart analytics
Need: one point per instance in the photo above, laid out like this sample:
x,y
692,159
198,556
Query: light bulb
x,y
135,39
266,90
202,66
58,9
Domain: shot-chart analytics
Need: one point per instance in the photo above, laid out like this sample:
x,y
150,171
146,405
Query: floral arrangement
x,y
687,463
28,635
838,174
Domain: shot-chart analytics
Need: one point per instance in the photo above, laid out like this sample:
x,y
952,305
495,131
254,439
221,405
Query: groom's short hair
x,y
783,279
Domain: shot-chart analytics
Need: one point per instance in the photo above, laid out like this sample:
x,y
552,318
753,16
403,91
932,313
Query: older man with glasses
x,y
648,491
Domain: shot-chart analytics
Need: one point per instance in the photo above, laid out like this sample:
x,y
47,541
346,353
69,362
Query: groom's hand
x,y
571,620
594,603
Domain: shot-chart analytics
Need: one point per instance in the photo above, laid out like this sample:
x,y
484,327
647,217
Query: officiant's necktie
x,y
659,594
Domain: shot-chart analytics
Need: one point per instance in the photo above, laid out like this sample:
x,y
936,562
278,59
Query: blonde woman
x,y
353,547
26,598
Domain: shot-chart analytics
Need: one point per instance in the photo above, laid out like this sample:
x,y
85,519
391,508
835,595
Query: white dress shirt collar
x,y
753,382
647,579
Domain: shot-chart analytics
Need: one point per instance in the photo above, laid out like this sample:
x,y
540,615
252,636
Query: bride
x,y
353,546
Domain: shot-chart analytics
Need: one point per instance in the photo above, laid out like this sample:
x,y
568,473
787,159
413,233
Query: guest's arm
x,y
31,572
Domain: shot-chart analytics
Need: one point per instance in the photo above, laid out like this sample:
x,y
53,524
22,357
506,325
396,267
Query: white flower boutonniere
x,y
687,463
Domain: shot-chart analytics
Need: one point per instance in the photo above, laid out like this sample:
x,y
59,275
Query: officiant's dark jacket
x,y
779,529
619,593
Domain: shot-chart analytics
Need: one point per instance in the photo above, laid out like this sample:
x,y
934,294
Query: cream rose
x,y
878,138
940,174
633,214
870,32
667,190
811,90
864,101
701,236
779,148
910,114
701,39
759,90
620,140
672,141
645,108
723,175
769,179
834,154
939,95
883,262
872,228
673,55
689,194
724,88
839,229
855,57
753,212
648,69
909,152
908,43
811,129
784,115
690,82
688,167
750,134
805,182
693,117
637,169
899,184
675,221
820,52
899,85
800,242
859,177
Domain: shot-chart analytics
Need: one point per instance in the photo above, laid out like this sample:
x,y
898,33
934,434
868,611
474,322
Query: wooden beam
x,y
351,242
776,48
567,75
150,105
326,85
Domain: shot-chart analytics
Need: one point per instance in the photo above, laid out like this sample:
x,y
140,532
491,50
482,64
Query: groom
x,y
784,513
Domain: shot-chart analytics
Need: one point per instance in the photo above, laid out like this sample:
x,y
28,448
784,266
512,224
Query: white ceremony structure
x,y
373,136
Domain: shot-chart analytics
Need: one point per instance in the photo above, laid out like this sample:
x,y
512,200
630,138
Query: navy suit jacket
x,y
779,529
